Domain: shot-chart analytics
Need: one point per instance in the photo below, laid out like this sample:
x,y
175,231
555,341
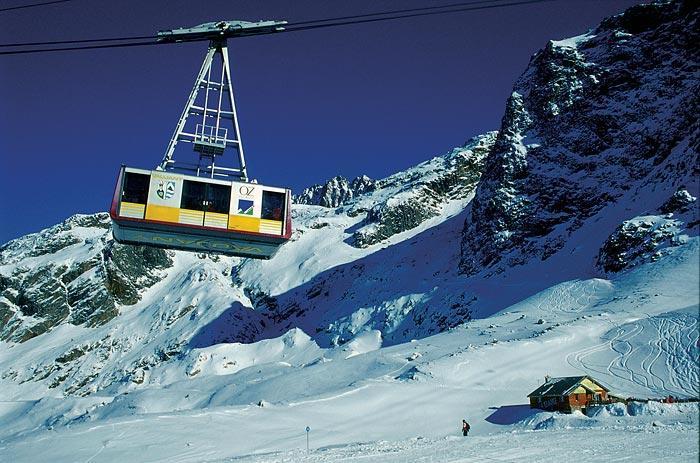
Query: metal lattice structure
x,y
217,130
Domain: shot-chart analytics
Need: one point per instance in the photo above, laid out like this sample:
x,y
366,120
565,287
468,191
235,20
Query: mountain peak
x,y
594,122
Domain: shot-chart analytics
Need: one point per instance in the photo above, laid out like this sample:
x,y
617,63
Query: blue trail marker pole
x,y
307,438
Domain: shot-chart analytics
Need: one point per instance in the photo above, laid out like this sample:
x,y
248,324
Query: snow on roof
x,y
561,386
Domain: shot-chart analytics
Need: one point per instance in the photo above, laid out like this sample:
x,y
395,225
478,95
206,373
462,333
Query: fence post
x,y
307,439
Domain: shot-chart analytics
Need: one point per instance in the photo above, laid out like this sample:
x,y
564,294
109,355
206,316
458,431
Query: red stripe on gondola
x,y
286,236
288,230
115,198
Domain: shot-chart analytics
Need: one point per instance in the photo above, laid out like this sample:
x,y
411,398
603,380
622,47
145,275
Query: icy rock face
x,y
648,238
336,192
452,177
74,273
592,119
681,201
639,240
405,200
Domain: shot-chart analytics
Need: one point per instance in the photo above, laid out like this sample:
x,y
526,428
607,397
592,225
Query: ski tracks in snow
x,y
659,353
574,296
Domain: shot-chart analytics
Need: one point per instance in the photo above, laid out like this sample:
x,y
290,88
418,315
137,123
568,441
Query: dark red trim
x,y
288,228
115,198
197,227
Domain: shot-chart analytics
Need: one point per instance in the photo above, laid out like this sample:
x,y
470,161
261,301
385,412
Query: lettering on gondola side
x,y
162,176
197,243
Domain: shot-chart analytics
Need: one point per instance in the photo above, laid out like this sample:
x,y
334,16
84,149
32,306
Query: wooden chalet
x,y
569,393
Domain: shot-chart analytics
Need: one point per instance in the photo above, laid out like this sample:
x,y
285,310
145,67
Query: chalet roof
x,y
561,386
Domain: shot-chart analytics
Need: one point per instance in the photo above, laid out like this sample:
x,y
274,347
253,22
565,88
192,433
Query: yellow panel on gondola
x,y
273,227
213,219
236,222
163,213
191,217
132,210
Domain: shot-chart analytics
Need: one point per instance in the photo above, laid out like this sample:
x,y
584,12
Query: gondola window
x,y
135,188
272,205
218,198
193,194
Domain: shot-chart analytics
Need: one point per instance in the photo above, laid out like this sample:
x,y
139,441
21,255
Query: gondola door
x,y
193,203
205,204
217,204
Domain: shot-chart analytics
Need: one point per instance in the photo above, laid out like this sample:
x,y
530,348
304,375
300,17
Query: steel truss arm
x,y
210,139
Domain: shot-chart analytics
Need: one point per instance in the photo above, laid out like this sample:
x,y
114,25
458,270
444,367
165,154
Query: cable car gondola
x,y
204,206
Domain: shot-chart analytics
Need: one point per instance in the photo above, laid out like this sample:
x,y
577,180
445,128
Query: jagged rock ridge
x,y
42,284
593,119
404,200
416,197
335,192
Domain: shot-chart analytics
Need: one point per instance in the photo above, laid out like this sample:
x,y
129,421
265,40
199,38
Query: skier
x,y
465,428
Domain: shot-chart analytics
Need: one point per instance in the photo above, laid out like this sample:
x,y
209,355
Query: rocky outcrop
x,y
637,241
43,284
415,200
592,119
405,200
647,238
336,192
681,202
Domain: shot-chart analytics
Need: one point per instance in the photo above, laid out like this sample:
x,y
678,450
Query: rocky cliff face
x,y
335,192
648,238
44,282
594,120
403,201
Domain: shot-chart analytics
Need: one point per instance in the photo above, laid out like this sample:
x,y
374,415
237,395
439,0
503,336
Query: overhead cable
x,y
298,23
409,10
32,5
291,27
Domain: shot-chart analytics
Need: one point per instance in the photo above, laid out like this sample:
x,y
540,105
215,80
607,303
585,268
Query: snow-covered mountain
x,y
566,242
602,125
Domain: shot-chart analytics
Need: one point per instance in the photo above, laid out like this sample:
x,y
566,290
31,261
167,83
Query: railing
x,y
211,134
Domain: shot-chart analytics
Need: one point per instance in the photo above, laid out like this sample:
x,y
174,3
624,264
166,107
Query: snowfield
x,y
252,402
566,244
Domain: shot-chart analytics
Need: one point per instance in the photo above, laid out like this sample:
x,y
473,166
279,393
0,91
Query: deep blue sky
x,y
364,99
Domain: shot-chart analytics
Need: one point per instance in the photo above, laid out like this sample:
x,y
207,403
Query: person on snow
x,y
465,428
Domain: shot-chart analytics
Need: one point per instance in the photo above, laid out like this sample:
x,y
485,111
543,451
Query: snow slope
x,y
381,334
258,398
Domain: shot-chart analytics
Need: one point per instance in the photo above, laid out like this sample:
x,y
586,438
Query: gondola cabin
x,y
173,210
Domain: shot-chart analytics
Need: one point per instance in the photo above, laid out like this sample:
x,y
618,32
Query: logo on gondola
x,y
245,207
166,190
246,190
